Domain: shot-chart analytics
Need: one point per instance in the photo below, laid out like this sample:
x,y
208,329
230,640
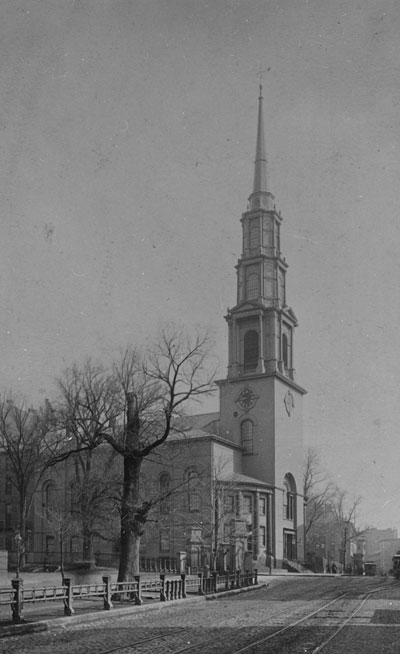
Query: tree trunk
x,y
88,546
133,518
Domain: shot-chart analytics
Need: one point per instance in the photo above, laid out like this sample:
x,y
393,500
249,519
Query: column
x,y
256,529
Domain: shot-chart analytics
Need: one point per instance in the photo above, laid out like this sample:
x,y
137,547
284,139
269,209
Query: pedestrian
x,y
334,569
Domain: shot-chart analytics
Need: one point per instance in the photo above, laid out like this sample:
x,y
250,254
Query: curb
x,y
235,591
96,616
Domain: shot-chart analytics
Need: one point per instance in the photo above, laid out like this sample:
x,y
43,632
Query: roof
x,y
238,478
201,420
189,434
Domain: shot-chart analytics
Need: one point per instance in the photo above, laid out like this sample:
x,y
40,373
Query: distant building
x,y
380,547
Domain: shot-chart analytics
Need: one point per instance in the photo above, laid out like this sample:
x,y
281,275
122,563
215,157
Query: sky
x,y
127,134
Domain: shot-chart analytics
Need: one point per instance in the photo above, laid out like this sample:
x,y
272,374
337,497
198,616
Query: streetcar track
x,y
320,647
215,641
290,626
212,642
137,643
310,615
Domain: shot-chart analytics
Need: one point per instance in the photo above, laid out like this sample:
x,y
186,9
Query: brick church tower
x,y
260,401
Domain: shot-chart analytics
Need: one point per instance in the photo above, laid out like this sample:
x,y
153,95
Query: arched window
x,y
49,498
250,350
165,489
246,436
289,497
285,356
193,490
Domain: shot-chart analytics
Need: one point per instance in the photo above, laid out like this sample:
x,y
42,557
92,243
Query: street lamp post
x,y
18,539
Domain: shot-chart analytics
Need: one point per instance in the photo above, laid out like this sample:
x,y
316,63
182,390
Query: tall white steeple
x,y
260,197
261,324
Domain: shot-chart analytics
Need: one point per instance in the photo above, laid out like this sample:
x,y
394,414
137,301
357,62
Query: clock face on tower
x,y
246,399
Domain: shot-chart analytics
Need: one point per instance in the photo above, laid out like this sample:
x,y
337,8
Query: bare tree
x,y
135,408
63,526
88,407
28,441
156,389
344,511
318,492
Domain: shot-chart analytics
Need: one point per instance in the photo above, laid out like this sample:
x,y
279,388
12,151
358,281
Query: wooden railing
x,y
164,589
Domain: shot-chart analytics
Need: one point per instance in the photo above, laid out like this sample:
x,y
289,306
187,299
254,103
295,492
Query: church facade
x,y
239,472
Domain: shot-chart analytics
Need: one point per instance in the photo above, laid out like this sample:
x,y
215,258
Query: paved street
x,y
319,605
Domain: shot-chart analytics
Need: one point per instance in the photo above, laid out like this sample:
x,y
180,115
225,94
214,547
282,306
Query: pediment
x,y
289,312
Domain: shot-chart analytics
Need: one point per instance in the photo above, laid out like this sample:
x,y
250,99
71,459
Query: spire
x,y
260,165
260,196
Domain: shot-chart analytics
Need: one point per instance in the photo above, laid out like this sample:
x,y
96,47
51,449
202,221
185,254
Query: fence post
x,y
214,576
162,590
237,580
255,576
138,594
183,577
107,603
200,576
226,581
68,608
17,605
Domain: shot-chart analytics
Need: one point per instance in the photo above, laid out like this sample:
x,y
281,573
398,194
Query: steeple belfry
x,y
260,197
261,324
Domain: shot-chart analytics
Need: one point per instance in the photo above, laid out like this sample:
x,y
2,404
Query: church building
x,y
240,471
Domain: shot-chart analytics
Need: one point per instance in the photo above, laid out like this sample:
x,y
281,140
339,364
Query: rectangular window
x,y
49,544
246,436
8,486
8,516
247,505
194,500
289,506
263,506
254,234
249,538
165,506
252,282
229,504
237,505
263,536
193,491
74,545
267,234
164,540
